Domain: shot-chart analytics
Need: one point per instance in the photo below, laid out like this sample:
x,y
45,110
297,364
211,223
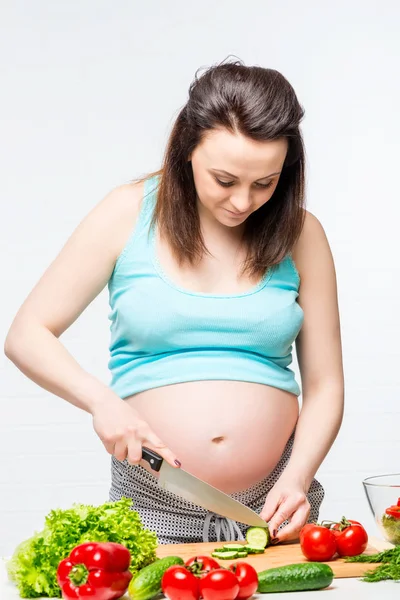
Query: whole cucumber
x,y
147,582
295,578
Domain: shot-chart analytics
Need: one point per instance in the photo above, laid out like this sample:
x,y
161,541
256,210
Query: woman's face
x,y
235,175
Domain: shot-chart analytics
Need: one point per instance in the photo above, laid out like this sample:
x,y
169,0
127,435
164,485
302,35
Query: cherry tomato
x,y
201,565
178,583
247,578
351,538
318,543
219,584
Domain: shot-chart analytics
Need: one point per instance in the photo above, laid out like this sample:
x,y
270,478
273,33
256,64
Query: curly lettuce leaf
x,y
33,566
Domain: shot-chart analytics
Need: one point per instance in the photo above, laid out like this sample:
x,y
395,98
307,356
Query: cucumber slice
x,y
227,555
241,554
258,537
236,547
251,550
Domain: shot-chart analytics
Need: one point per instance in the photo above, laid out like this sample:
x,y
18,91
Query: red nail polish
x,y
274,540
178,463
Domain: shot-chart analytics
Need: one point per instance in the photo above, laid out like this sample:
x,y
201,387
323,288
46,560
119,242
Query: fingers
x,y
297,521
154,443
134,451
120,450
294,509
270,506
129,446
123,436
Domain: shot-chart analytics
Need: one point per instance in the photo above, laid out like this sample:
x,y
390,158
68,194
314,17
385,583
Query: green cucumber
x,y
241,554
258,537
225,555
252,550
295,578
147,583
237,547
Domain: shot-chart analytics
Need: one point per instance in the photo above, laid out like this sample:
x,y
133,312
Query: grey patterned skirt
x,y
177,521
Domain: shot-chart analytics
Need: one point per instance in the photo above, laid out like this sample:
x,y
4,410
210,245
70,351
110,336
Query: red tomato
x,y
178,583
201,565
219,584
305,529
338,527
318,543
352,540
247,578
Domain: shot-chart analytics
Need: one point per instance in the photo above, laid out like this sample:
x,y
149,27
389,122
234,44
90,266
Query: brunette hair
x,y
262,105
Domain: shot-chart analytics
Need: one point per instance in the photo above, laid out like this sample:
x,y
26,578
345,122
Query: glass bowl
x,y
383,491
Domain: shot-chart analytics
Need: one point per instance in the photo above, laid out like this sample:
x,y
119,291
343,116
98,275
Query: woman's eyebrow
x,y
235,177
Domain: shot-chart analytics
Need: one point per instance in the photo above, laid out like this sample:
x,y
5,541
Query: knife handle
x,y
154,459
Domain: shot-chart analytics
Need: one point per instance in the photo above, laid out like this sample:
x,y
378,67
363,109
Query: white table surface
x,y
344,588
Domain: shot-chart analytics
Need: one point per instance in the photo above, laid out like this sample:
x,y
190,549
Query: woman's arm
x,y
72,281
68,286
319,355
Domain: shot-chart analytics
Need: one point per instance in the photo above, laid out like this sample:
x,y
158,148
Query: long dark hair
x,y
262,105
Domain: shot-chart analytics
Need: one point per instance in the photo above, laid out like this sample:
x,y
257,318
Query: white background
x,y
89,91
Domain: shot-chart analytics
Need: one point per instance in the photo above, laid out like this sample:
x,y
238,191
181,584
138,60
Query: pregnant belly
x,y
228,433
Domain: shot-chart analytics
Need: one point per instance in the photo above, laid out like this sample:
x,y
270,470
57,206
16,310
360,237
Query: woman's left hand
x,y
287,500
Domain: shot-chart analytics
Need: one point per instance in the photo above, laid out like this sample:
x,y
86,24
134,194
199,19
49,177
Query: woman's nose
x,y
241,202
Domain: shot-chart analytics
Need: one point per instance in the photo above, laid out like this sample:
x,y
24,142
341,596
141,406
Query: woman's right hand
x,y
123,433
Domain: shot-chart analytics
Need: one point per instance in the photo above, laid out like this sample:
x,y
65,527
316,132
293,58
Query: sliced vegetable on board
x,y
258,537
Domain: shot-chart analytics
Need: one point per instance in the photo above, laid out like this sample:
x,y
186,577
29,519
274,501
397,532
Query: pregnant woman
x,y
214,270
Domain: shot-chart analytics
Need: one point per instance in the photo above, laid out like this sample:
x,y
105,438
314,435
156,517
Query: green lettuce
x,y
33,566
392,527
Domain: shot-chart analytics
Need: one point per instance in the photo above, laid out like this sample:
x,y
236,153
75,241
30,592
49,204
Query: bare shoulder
x,y
312,247
119,210
122,202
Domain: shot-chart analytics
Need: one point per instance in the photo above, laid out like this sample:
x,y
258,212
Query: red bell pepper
x,y
98,571
394,510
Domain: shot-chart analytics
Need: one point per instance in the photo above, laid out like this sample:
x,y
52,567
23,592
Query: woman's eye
x,y
224,183
264,186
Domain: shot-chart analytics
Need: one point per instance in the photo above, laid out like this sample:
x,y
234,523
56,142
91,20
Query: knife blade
x,y
186,485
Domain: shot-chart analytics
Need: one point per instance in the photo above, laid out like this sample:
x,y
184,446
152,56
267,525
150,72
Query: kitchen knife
x,y
199,492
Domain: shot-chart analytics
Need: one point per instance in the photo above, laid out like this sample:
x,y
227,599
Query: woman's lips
x,y
236,215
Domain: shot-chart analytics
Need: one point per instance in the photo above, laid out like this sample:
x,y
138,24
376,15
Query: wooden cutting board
x,y
276,556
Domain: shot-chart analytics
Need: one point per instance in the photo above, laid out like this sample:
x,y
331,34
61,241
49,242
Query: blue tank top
x,y
163,334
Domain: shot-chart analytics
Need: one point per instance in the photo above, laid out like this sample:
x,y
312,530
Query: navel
x,y
218,440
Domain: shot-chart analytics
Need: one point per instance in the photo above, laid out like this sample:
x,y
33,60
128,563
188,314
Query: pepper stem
x,y
79,574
